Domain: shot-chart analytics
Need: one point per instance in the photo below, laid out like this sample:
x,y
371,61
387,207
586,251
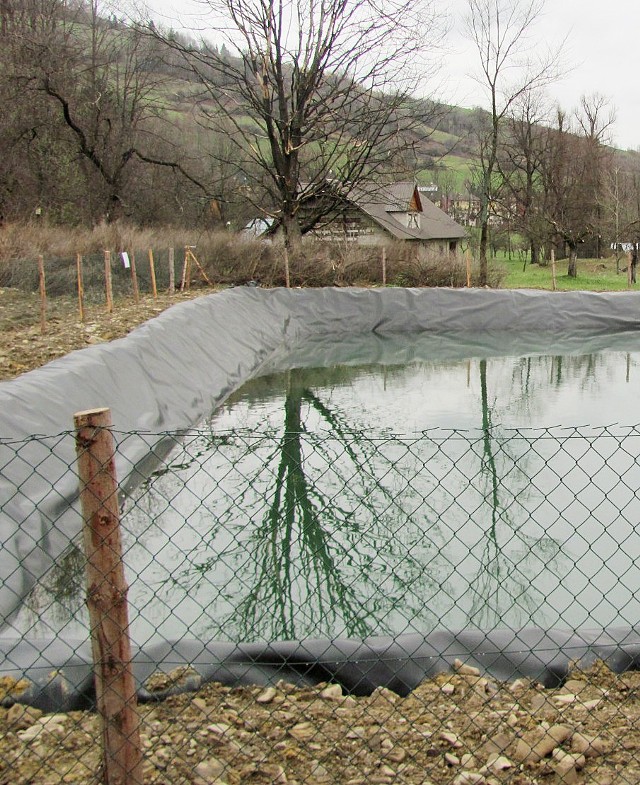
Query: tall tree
x,y
510,65
573,176
314,91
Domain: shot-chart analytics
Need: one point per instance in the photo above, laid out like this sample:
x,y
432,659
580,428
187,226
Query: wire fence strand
x,y
331,607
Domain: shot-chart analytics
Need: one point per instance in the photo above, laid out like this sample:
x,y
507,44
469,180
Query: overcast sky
x,y
601,45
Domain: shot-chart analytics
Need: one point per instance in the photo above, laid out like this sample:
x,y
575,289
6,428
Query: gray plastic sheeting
x,y
171,372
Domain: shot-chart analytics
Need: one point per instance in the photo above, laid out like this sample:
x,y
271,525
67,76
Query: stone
x,y
540,743
465,670
333,692
21,717
451,739
209,770
267,696
589,746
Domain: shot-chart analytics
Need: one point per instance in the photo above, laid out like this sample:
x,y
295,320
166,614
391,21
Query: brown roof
x,y
385,204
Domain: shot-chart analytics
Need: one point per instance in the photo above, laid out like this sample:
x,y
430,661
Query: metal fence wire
x,y
327,607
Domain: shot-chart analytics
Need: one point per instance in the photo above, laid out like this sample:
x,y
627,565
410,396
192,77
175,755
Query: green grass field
x,y
598,275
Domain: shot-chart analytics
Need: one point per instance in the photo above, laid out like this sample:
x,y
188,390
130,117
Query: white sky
x,y
601,46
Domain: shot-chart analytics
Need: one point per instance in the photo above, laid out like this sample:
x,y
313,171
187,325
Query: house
x,y
379,214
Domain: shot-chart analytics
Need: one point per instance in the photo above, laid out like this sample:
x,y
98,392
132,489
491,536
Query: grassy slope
x,y
593,274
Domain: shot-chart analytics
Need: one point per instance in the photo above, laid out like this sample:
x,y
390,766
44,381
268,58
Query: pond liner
x,y
169,373
60,674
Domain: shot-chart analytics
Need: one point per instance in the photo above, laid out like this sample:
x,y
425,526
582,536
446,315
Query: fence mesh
x,y
327,607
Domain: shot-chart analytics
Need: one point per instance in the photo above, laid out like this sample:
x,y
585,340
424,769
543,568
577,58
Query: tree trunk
x,y
572,270
292,233
484,266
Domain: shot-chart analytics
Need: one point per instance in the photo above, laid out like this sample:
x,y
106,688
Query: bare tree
x,y
500,31
520,161
573,175
313,92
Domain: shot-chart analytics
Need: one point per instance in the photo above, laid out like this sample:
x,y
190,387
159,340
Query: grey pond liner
x,y
174,370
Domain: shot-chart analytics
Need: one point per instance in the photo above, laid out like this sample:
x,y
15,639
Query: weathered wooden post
x,y
152,272
553,269
134,278
107,600
172,272
80,286
384,265
287,277
107,281
43,295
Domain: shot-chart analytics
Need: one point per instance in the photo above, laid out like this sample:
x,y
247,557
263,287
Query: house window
x,y
413,221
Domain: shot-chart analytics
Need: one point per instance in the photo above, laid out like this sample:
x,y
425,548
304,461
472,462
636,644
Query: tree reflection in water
x,y
511,560
325,537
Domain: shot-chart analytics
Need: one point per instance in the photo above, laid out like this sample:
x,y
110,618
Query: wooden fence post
x,y
134,278
384,265
287,278
172,272
467,261
553,269
107,600
80,286
186,272
152,271
43,296
107,281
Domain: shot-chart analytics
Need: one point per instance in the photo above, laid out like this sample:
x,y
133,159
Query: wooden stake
x,y
186,275
43,296
553,269
152,270
107,600
172,272
134,277
287,280
384,266
629,269
467,259
80,286
194,259
107,280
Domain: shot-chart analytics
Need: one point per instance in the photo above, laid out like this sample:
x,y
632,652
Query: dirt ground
x,y
459,728
23,345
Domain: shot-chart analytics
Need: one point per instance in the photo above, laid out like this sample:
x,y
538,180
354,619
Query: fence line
x,y
390,558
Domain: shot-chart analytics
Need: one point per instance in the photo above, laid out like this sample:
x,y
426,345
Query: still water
x,y
436,484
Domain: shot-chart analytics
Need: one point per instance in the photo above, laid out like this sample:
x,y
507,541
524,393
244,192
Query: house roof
x,y
388,204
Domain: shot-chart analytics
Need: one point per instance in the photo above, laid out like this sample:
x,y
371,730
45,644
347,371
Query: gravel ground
x,y
458,728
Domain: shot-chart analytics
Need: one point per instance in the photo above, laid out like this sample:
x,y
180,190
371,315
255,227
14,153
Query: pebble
x,y
209,770
451,739
589,746
22,717
464,669
536,745
332,692
267,695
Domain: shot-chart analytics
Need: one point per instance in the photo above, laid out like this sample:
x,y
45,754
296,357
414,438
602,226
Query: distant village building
x,y
376,214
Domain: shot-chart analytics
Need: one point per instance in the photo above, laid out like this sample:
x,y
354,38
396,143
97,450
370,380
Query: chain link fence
x,y
330,607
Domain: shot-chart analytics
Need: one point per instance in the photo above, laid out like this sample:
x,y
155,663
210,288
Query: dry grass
x,y
225,259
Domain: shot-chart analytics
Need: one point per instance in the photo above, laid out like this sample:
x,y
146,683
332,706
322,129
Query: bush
x,y
222,257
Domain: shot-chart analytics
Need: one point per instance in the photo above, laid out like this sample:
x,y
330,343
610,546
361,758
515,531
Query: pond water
x,y
438,483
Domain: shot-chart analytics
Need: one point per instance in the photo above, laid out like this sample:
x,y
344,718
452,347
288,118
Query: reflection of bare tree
x,y
511,559
324,556
323,542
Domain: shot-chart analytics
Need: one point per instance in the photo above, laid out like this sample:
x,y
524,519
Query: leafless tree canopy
x,y
311,92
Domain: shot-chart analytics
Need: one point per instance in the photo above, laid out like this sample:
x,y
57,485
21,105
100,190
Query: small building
x,y
379,214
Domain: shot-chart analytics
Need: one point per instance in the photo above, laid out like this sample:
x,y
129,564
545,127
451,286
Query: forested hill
x,y
103,121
